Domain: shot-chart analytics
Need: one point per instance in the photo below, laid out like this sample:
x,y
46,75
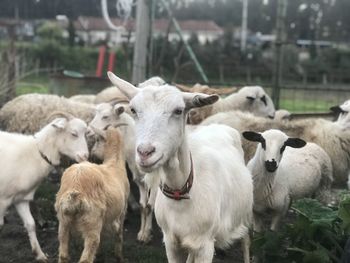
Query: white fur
x,y
249,98
333,137
220,206
23,167
300,173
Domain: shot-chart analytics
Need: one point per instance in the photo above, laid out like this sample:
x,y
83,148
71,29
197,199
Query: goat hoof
x,y
42,259
144,237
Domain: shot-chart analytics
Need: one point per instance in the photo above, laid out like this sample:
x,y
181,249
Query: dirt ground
x,y
15,246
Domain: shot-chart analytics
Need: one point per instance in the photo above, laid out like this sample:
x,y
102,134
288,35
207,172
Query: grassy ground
x,y
292,100
15,247
33,84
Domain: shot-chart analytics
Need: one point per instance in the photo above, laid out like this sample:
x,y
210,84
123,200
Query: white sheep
x,y
110,114
282,174
114,94
153,81
206,89
206,191
282,115
94,196
29,113
26,160
251,98
331,136
84,98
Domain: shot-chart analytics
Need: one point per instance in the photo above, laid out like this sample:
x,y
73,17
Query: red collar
x,y
182,193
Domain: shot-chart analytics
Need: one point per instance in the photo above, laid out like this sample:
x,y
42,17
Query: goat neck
x,y
113,148
46,144
128,134
178,168
263,180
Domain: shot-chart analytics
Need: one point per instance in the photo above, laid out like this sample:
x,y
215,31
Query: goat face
x,y
160,117
272,145
259,103
106,114
70,138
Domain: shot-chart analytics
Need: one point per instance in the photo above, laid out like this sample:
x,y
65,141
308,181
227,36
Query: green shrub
x,y
317,234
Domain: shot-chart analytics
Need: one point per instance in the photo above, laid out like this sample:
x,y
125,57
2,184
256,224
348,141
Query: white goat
x,y
251,98
27,160
94,196
109,114
281,174
206,192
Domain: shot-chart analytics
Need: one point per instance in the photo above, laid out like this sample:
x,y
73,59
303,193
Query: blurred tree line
x,y
222,60
306,19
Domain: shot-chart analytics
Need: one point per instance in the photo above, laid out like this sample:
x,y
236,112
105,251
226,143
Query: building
x,y
93,30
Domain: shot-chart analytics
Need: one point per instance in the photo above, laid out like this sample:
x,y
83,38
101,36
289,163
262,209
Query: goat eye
x,y
74,134
105,117
132,110
178,111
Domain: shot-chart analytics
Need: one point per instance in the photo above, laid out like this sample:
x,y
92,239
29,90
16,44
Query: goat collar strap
x,y
182,193
44,156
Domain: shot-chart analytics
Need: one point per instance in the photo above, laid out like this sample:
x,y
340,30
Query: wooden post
x,y
141,41
280,38
11,59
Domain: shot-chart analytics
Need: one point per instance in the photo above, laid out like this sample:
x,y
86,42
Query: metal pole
x,y
280,39
187,46
151,42
141,40
244,25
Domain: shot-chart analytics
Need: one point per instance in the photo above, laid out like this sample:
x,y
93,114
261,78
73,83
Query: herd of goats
x,y
210,168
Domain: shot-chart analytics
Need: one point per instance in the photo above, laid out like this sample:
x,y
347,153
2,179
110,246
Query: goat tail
x,y
73,203
323,193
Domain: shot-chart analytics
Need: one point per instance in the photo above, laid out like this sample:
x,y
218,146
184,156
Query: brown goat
x,y
91,197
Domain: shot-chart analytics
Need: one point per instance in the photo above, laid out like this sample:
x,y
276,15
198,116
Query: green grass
x,y
33,84
299,105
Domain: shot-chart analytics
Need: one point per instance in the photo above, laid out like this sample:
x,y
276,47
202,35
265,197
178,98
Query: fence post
x,y
280,36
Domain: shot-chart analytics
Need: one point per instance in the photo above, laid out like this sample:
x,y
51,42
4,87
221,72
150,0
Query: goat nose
x,y
145,151
271,166
82,157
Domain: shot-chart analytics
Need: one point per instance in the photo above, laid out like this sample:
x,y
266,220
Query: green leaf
x,y
344,212
315,211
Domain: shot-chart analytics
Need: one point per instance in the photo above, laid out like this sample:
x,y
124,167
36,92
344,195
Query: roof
x,y
97,23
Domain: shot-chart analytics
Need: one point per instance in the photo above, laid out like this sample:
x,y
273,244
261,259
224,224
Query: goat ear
x,y
196,100
295,143
336,109
59,123
119,110
250,98
125,87
253,136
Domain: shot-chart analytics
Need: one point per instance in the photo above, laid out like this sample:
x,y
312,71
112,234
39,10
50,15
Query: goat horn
x,y
120,124
60,114
116,101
